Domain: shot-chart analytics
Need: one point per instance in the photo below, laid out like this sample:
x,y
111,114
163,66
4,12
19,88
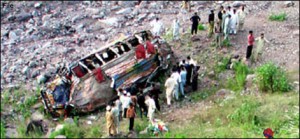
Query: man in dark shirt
x,y
220,16
211,19
195,19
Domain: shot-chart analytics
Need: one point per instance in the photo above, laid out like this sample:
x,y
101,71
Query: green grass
x,y
244,116
278,17
70,131
3,130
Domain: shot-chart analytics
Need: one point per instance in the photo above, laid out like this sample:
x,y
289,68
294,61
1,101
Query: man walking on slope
x,y
195,19
170,86
260,41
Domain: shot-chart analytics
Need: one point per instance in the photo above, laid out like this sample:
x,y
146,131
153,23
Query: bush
x,y
241,71
271,77
201,27
278,17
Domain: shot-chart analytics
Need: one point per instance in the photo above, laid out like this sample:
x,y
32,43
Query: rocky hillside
x,y
36,36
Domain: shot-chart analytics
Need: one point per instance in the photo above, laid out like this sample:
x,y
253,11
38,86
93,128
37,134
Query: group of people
x,y
124,106
183,74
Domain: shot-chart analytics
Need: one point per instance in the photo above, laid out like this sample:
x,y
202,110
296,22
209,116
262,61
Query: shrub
x,y
241,71
272,77
201,27
278,17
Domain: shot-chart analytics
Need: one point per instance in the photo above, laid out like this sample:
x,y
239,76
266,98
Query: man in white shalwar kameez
x,y
170,86
242,17
177,78
151,108
176,27
227,26
157,27
234,22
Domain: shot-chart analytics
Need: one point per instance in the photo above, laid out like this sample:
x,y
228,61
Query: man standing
x,y
220,16
183,80
229,11
157,27
260,41
125,100
176,27
110,122
242,17
218,34
170,85
211,19
131,115
142,105
154,92
227,26
234,22
224,16
151,108
115,111
177,78
195,19
250,44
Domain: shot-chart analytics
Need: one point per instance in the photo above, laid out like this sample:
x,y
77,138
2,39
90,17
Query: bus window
x,y
79,71
88,63
108,55
133,41
120,48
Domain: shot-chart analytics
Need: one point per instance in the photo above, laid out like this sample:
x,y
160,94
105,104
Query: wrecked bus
x,y
92,81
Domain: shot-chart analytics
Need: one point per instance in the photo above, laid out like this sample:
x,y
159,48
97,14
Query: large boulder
x,y
238,4
23,17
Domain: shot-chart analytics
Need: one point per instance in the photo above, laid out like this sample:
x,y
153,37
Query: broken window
x,y
134,41
79,71
92,62
108,55
121,48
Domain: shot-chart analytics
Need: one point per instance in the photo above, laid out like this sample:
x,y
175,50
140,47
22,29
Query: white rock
x,y
38,5
124,11
111,21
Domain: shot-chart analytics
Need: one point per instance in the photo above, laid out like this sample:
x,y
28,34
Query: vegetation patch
x,y
272,78
278,17
201,27
226,43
